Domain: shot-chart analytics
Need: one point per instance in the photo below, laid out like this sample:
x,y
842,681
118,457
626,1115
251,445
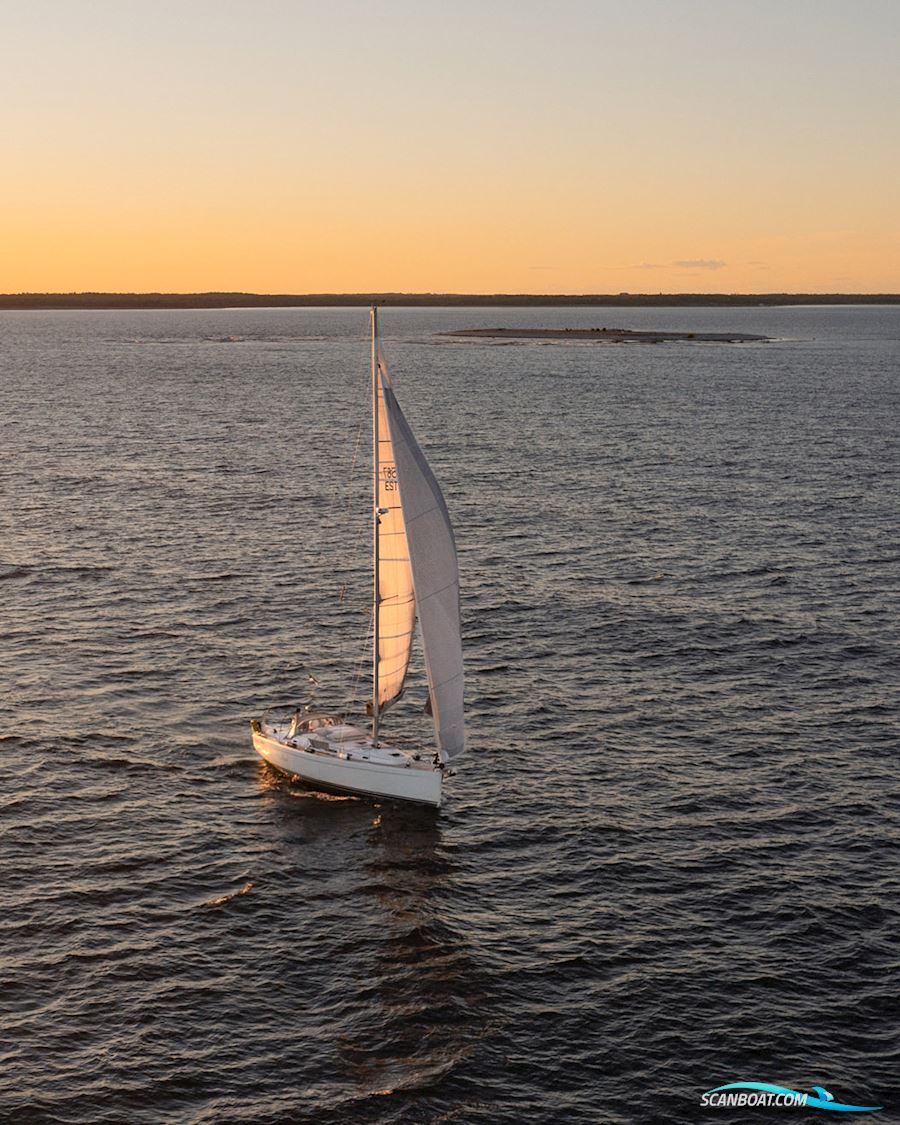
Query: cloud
x,y
684,264
701,264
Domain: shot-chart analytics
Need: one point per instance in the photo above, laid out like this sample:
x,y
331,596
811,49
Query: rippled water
x,y
669,861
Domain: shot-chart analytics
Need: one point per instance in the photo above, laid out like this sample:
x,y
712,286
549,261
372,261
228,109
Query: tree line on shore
x,y
311,300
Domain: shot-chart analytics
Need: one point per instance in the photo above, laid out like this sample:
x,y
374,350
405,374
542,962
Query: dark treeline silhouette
x,y
301,300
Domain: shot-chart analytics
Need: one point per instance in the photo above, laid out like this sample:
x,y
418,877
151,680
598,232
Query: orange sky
x,y
490,145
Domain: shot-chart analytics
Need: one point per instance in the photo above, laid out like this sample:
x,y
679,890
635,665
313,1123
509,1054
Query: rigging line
x,y
363,659
353,460
354,545
363,650
339,493
346,509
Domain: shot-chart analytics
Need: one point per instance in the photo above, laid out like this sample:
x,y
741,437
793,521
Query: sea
x,y
669,860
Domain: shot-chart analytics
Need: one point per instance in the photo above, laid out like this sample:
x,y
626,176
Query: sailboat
x,y
415,576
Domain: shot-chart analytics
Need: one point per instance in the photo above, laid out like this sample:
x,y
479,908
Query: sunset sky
x,y
472,145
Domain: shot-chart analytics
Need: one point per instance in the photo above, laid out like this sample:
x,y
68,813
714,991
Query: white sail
x,y
431,551
396,600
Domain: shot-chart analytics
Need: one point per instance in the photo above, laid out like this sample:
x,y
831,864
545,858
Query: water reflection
x,y
406,1011
417,1027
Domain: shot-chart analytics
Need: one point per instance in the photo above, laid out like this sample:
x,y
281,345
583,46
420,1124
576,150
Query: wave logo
x,y
765,1094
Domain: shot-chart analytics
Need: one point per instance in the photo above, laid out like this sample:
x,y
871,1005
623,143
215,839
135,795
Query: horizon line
x,y
159,299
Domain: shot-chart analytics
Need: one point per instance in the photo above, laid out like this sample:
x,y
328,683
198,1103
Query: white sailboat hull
x,y
395,775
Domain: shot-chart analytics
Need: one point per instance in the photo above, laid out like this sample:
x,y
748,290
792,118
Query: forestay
x,y
431,551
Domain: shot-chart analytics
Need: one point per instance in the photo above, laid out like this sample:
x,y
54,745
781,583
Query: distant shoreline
x,y
12,301
608,335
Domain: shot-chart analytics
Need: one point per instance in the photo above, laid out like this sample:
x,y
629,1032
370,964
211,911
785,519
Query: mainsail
x,y
396,600
429,550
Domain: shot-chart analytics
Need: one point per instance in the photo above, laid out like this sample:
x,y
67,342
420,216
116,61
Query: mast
x,y
375,526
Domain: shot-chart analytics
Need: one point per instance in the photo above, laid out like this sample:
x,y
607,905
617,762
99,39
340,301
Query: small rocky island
x,y
607,335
